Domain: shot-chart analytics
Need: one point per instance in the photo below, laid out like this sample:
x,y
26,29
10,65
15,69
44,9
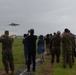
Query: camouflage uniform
x,y
73,46
56,48
67,50
7,55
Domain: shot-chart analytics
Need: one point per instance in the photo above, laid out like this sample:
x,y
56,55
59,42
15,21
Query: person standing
x,y
73,46
56,47
31,50
51,43
67,48
25,43
41,49
7,53
47,39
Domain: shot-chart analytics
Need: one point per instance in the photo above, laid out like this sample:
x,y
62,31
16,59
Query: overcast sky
x,y
44,16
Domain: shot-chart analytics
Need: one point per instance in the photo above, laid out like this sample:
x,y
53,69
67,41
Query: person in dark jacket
x,y
25,43
31,50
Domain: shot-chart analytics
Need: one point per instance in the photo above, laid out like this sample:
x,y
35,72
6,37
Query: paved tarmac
x,y
23,70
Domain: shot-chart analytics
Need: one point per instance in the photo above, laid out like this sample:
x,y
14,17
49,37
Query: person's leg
x,y
58,55
70,58
67,60
73,53
26,55
49,49
64,58
52,56
57,58
29,61
11,63
34,60
5,62
43,57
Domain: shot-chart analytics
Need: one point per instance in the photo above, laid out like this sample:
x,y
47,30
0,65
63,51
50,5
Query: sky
x,y
44,16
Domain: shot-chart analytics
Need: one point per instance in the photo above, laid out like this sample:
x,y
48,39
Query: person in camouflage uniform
x,y
7,55
73,46
67,49
56,42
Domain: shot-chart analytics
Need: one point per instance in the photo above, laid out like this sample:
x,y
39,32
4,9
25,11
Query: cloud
x,y
45,16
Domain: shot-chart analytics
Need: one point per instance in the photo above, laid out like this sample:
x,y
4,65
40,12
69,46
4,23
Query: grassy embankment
x,y
59,70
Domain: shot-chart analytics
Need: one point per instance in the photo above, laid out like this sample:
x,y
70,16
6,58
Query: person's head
x,y
41,37
31,31
58,33
50,35
54,33
66,30
6,33
47,35
25,35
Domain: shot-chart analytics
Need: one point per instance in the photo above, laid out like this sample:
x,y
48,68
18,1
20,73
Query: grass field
x,y
59,70
19,61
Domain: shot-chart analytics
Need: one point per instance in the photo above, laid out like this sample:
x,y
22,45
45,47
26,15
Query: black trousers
x,y
55,52
31,59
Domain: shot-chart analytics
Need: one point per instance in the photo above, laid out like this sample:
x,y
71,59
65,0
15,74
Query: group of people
x,y
52,45
64,44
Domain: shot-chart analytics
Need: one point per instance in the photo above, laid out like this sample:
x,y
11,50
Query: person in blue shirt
x,y
41,49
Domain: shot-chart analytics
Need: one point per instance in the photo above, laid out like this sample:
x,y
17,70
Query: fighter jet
x,y
14,24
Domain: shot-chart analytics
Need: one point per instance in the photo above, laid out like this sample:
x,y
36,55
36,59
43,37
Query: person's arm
x,y
1,38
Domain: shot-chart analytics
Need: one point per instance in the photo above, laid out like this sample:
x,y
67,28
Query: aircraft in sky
x,y
14,24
